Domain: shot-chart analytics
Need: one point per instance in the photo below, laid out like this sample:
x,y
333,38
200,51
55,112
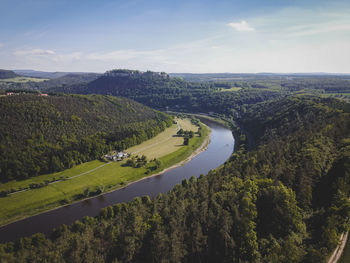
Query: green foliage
x,y
136,161
41,135
186,140
160,91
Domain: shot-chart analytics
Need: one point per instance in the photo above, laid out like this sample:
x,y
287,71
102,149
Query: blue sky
x,y
176,36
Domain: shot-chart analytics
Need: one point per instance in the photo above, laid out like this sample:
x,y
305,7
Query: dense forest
x,y
285,200
159,90
7,74
44,134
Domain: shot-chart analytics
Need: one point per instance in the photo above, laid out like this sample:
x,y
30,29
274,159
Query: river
x,y
218,151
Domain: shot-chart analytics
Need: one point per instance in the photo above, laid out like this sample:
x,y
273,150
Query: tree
x,y
180,132
186,140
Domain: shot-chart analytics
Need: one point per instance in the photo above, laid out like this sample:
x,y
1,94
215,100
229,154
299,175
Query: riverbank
x,y
106,179
202,148
218,150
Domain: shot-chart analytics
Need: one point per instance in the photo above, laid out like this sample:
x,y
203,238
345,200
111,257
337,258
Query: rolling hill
x,y
46,134
7,74
160,91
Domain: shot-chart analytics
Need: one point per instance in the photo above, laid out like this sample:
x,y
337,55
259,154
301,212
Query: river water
x,y
218,151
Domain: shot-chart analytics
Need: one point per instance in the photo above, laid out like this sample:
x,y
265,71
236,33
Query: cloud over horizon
x,y
36,51
241,26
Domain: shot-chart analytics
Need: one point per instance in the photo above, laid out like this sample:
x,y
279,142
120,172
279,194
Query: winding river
x,y
218,151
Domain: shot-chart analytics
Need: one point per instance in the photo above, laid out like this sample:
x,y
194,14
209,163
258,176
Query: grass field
x,y
164,147
230,89
22,80
163,143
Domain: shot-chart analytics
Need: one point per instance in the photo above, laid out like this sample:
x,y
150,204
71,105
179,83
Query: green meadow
x,y
23,80
230,89
95,177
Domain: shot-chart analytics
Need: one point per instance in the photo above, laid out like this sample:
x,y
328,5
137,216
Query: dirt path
x,y
339,249
98,167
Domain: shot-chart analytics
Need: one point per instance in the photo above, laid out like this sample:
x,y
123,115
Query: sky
x,y
182,36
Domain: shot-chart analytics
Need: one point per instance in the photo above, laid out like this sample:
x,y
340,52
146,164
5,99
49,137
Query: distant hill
x,y
131,83
43,84
45,134
68,80
150,88
7,74
159,90
210,77
45,74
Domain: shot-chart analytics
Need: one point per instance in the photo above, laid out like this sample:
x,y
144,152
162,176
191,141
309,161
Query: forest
x,y
160,91
285,200
7,74
281,197
40,135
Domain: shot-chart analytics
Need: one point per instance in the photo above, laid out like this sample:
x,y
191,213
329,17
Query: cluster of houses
x,y
117,156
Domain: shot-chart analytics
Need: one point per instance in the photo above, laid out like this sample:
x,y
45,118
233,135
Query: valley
x,y
281,196
96,177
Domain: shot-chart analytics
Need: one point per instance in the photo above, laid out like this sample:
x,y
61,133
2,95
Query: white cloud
x,y
241,26
37,52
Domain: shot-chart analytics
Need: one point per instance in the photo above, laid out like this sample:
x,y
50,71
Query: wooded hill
x,y
284,201
7,74
46,134
159,90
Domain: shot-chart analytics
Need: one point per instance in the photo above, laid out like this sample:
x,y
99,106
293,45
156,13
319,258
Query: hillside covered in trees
x,y
193,92
286,200
159,90
7,74
235,93
46,134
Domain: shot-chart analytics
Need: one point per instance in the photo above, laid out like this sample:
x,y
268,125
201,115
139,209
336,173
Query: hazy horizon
x,y
283,37
102,72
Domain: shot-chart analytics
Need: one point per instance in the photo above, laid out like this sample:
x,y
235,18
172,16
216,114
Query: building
x,y
117,156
